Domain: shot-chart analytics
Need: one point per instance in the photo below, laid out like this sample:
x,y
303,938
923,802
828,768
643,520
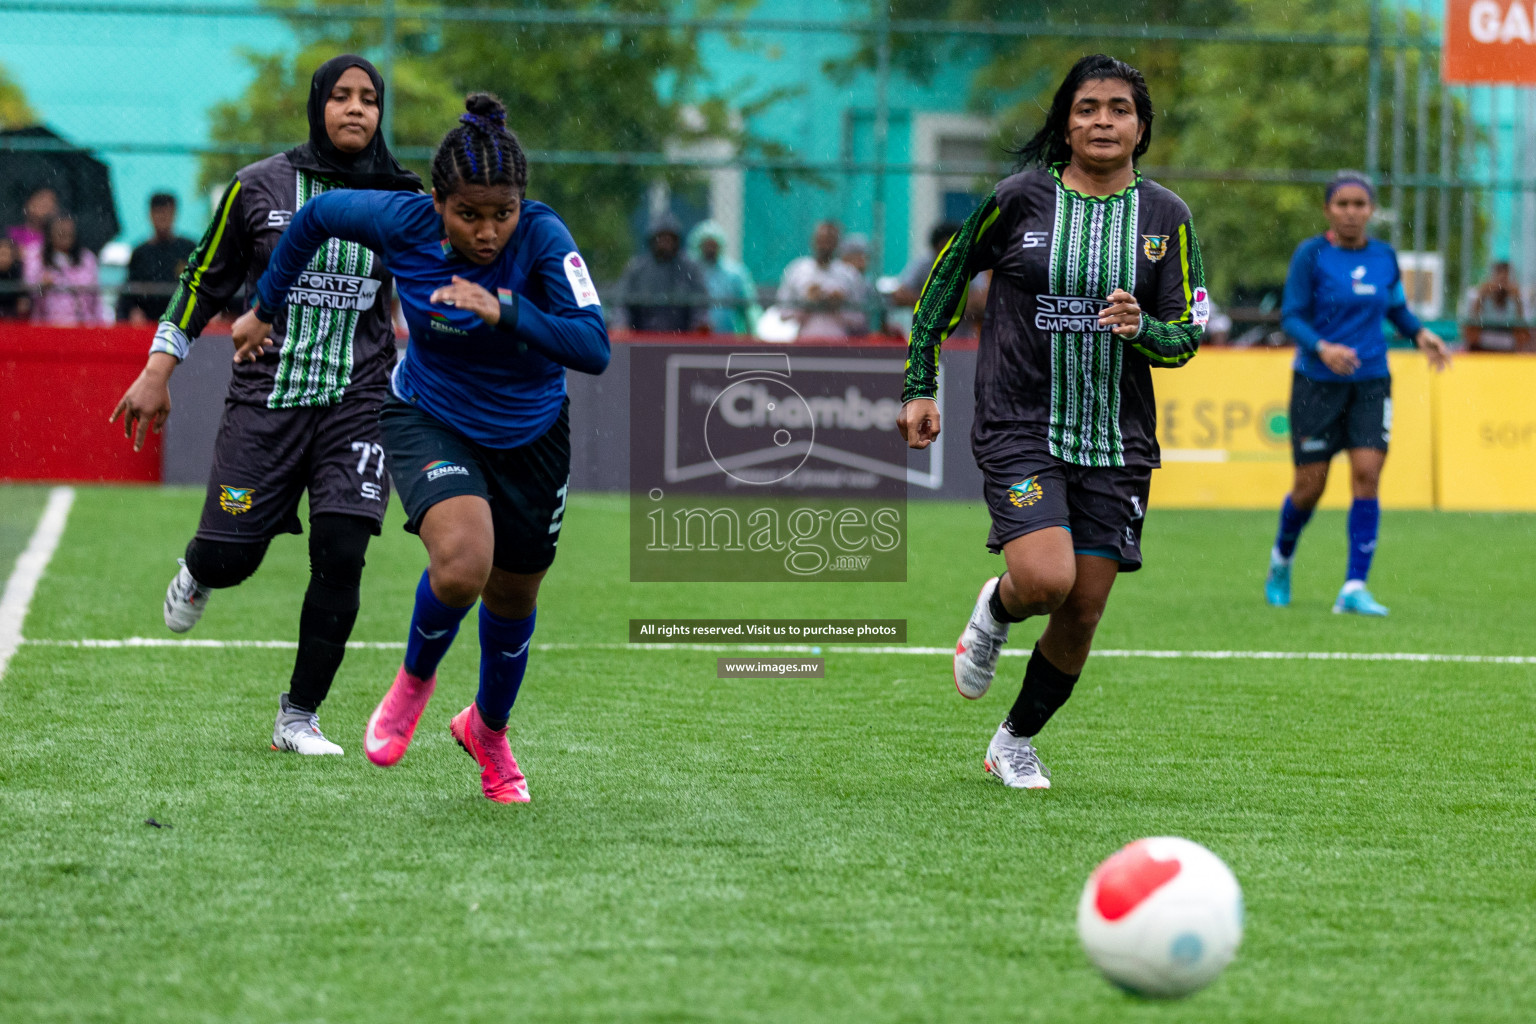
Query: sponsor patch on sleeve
x,y
1202,307
581,282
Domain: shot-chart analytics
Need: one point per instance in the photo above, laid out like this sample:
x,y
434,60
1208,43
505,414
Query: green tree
x,y
14,111
613,91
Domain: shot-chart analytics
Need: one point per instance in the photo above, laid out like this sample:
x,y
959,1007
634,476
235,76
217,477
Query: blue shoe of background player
x,y
1277,585
1354,599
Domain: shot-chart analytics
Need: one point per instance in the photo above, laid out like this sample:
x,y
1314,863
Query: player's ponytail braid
x,y
480,151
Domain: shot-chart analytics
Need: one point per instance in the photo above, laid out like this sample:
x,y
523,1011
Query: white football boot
x,y
299,731
1013,760
979,646
185,600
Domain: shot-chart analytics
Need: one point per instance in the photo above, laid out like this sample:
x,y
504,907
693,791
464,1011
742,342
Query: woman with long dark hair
x,y
305,414
477,431
1096,280
1342,284
66,277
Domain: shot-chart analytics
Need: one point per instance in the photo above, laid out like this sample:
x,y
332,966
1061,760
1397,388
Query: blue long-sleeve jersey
x,y
500,385
1341,296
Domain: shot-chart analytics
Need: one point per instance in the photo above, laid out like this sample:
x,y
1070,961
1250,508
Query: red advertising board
x,y
1489,41
58,385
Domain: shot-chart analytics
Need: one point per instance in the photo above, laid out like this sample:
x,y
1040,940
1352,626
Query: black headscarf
x,y
372,167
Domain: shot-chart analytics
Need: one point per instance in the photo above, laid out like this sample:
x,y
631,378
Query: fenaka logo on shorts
x,y
442,468
235,500
1025,493
1068,314
1155,246
333,291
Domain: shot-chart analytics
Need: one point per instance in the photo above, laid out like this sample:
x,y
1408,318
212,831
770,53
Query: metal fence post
x,y
387,62
1399,132
1373,94
882,131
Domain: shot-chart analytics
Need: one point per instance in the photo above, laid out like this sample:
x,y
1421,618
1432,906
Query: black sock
x,y
493,724
1045,689
324,625
337,544
995,605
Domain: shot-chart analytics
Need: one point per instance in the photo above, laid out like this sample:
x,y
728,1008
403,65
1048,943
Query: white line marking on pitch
x,y
288,645
30,566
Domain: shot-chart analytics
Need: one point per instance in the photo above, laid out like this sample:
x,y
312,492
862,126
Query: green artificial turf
x,y
768,850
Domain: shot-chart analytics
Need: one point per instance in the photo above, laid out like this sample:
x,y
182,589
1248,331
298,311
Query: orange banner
x,y
1489,41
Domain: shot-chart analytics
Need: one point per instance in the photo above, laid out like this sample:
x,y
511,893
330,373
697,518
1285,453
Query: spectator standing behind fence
x,y
63,276
155,266
728,281
15,303
855,253
40,208
1497,302
915,274
662,290
820,291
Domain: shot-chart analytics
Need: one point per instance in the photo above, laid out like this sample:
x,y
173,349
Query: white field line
x,y
288,645
30,566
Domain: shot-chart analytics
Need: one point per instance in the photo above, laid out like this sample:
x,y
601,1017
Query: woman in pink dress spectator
x,y
64,278
40,208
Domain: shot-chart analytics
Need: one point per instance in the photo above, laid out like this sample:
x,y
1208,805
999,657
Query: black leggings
x,y
337,544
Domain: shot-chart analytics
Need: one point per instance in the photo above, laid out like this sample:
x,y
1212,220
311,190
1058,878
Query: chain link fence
x,y
769,118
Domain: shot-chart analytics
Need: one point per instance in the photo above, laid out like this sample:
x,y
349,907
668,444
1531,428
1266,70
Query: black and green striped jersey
x,y
334,336
1047,376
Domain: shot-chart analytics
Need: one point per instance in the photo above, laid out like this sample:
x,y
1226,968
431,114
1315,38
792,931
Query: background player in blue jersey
x,y
1340,286
499,303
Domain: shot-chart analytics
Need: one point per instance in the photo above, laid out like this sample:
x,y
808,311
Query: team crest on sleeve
x,y
1154,246
1025,493
235,500
1201,310
580,281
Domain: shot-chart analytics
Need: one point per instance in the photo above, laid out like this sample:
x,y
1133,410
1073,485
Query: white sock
x,y
1008,737
1350,586
1276,558
992,625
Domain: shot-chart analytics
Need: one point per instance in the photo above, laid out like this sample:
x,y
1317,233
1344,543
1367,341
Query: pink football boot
x,y
393,722
500,778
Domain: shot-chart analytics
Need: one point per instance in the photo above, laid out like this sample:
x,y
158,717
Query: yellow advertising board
x,y
1485,444
1224,427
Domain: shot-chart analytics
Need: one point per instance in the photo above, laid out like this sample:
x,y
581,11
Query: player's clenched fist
x,y
468,295
251,334
919,422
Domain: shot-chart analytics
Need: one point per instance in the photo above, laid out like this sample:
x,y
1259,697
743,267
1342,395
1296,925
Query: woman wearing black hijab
x,y
304,414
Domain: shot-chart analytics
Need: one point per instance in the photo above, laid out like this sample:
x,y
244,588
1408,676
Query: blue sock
x,y
1292,520
433,627
503,659
1364,521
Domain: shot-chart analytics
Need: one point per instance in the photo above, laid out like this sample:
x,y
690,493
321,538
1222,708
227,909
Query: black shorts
x,y
264,459
431,462
1102,506
1328,417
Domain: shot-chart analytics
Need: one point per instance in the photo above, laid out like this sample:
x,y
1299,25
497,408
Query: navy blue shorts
x,y
1329,416
1103,506
525,487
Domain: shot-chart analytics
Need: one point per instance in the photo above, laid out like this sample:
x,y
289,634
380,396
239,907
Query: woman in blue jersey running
x,y
499,304
1340,286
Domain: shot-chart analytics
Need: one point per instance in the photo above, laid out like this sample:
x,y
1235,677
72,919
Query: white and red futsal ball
x,y
1161,917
